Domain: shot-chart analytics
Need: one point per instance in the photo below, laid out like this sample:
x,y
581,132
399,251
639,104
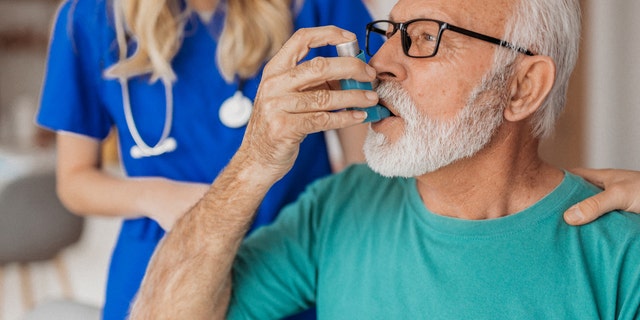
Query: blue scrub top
x,y
77,98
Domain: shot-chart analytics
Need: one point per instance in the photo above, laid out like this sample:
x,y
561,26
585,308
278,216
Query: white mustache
x,y
393,95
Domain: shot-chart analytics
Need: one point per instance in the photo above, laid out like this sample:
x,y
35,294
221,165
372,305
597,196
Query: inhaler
x,y
374,113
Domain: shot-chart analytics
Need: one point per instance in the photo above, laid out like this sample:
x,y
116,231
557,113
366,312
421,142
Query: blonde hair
x,y
253,32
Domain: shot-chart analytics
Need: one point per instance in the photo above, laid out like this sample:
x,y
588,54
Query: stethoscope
x,y
234,112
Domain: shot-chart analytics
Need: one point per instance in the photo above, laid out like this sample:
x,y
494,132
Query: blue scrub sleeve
x,y
70,98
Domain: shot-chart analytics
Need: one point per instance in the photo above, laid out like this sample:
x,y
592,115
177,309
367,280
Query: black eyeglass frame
x,y
406,43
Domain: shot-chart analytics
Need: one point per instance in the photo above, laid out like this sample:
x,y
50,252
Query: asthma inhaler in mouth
x,y
351,49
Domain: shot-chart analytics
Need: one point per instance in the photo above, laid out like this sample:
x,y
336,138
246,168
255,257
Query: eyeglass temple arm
x,y
493,40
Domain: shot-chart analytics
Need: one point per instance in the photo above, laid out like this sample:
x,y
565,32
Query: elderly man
x,y
455,216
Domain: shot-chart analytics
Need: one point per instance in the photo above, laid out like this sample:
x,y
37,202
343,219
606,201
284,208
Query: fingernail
x,y
371,71
347,34
360,115
574,215
371,95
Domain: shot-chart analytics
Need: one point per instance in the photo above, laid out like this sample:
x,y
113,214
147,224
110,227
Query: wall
x,y
613,90
24,32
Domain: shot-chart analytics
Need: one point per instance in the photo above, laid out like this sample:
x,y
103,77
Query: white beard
x,y
430,144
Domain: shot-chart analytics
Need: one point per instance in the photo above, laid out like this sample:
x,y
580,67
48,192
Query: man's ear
x,y
530,86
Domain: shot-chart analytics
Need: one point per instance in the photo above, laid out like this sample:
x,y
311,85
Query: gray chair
x,y
34,226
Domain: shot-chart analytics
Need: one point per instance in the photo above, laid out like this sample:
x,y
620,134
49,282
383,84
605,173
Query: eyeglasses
x,y
421,37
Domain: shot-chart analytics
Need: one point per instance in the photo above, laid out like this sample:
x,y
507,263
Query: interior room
x,y
52,255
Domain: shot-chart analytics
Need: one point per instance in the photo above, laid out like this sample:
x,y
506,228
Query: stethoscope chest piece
x,y
236,110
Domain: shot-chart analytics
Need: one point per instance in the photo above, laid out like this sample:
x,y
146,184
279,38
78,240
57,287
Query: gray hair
x,y
550,28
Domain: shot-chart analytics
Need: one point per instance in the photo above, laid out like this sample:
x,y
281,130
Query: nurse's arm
x,y
87,190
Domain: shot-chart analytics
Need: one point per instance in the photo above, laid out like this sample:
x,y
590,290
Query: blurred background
x,y
48,255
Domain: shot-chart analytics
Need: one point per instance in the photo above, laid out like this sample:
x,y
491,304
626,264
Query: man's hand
x,y
296,99
621,192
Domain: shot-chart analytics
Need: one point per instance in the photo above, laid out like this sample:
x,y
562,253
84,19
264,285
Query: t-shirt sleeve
x,y
274,274
70,97
628,304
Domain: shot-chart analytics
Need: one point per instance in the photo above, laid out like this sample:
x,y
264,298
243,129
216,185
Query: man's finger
x,y
317,73
297,47
330,100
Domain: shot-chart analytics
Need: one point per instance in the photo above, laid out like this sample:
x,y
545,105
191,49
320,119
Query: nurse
x,y
176,79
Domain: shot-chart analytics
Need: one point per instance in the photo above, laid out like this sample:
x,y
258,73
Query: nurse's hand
x,y
169,200
621,192
295,99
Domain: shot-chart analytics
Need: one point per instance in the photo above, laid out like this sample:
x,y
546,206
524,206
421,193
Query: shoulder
x,y
83,10
580,187
614,233
85,26
82,17
616,227
583,189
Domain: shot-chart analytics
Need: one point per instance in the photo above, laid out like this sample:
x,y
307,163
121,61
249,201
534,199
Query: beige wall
x,y
24,32
612,86
567,147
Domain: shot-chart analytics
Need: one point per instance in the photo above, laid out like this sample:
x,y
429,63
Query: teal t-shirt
x,y
361,246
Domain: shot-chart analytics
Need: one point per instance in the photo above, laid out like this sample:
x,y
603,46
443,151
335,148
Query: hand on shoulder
x,y
621,192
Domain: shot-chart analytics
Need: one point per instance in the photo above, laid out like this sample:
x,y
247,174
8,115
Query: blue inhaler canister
x,y
351,49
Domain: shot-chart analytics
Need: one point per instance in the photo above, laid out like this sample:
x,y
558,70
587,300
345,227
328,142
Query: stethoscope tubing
x,y
165,143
